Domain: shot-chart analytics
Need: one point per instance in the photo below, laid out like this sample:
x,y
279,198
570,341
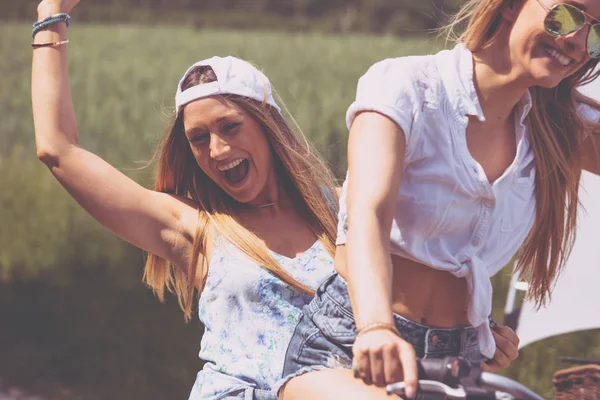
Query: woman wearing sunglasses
x,y
456,161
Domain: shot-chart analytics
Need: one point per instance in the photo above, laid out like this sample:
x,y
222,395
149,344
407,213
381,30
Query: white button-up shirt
x,y
448,215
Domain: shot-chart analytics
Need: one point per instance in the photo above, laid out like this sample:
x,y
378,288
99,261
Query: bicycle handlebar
x,y
456,378
495,382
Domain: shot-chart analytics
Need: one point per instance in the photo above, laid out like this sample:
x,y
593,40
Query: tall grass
x,y
123,81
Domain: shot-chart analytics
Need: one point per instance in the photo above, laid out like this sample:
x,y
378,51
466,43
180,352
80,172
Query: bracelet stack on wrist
x,y
376,326
45,23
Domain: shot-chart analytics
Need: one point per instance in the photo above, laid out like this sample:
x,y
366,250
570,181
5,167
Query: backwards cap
x,y
234,76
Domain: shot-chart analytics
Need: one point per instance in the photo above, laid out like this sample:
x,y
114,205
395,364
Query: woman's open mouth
x,y
236,171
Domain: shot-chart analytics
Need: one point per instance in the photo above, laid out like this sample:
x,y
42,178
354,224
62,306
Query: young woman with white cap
x,y
456,161
242,212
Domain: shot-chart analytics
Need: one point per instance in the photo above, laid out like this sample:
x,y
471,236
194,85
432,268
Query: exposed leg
x,y
333,384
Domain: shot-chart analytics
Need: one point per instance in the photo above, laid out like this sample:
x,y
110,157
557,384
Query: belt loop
x,y
464,340
313,306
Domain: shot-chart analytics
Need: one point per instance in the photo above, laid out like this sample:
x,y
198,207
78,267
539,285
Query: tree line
x,y
402,17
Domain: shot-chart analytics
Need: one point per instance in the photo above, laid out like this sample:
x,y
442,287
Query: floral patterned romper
x,y
249,317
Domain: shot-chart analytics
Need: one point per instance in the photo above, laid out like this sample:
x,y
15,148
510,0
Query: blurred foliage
x,y
91,340
75,321
405,17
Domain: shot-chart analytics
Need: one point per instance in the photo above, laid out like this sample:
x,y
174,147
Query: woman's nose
x,y
577,41
219,148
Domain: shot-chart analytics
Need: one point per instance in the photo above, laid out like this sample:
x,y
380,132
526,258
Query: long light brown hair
x,y
300,172
557,130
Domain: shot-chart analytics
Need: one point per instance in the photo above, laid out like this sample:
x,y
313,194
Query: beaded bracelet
x,y
375,326
51,20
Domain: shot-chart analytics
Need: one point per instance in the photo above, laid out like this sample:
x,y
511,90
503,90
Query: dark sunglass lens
x,y
563,19
594,41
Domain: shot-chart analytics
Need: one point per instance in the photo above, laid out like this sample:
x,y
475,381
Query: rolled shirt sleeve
x,y
388,88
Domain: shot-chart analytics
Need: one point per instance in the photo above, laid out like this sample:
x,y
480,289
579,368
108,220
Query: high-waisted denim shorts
x,y
324,336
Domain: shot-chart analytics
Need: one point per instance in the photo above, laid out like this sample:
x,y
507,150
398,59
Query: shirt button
x,y
476,242
489,203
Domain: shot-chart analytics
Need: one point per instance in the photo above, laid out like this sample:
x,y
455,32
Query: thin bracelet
x,y
51,44
375,326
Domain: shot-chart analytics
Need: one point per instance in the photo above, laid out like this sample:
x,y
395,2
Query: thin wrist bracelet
x,y
375,326
50,44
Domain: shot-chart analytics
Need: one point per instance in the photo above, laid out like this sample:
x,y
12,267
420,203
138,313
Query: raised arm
x,y
156,222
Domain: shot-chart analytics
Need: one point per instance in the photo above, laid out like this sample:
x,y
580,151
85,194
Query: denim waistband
x,y
426,340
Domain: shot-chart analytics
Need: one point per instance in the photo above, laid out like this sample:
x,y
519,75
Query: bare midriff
x,y
422,294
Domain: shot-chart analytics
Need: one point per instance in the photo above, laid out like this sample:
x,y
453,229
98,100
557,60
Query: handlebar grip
x,y
447,370
457,378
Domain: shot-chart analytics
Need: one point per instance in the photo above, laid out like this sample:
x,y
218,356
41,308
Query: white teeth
x,y
564,60
230,165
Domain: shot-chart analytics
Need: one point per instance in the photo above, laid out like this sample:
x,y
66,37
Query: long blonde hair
x,y
300,171
557,130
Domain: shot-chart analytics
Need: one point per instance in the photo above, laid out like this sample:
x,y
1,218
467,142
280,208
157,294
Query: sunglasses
x,y
563,19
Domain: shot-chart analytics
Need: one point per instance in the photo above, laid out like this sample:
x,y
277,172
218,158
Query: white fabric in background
x,y
575,301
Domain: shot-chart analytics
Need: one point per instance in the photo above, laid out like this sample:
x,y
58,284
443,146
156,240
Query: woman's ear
x,y
510,9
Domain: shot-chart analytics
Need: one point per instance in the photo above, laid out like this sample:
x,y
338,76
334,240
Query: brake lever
x,y
429,387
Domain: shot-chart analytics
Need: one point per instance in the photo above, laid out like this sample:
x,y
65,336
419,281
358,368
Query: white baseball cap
x,y
234,76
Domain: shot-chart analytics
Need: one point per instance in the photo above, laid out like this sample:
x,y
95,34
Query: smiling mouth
x,y
558,56
236,171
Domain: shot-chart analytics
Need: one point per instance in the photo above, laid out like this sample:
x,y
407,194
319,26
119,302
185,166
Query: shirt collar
x,y
456,70
524,106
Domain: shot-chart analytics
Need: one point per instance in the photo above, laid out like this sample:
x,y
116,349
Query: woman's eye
x,y
200,139
231,127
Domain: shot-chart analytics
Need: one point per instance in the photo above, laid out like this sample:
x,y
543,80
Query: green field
x,y
75,319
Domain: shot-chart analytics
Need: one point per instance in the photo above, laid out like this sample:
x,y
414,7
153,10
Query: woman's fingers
x,y
506,346
392,368
507,333
501,359
362,365
490,366
381,358
409,369
377,367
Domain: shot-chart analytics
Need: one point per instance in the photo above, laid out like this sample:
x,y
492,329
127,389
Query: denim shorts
x,y
252,394
213,385
324,336
239,393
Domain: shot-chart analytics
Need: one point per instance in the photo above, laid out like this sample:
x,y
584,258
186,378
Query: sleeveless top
x,y
249,317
